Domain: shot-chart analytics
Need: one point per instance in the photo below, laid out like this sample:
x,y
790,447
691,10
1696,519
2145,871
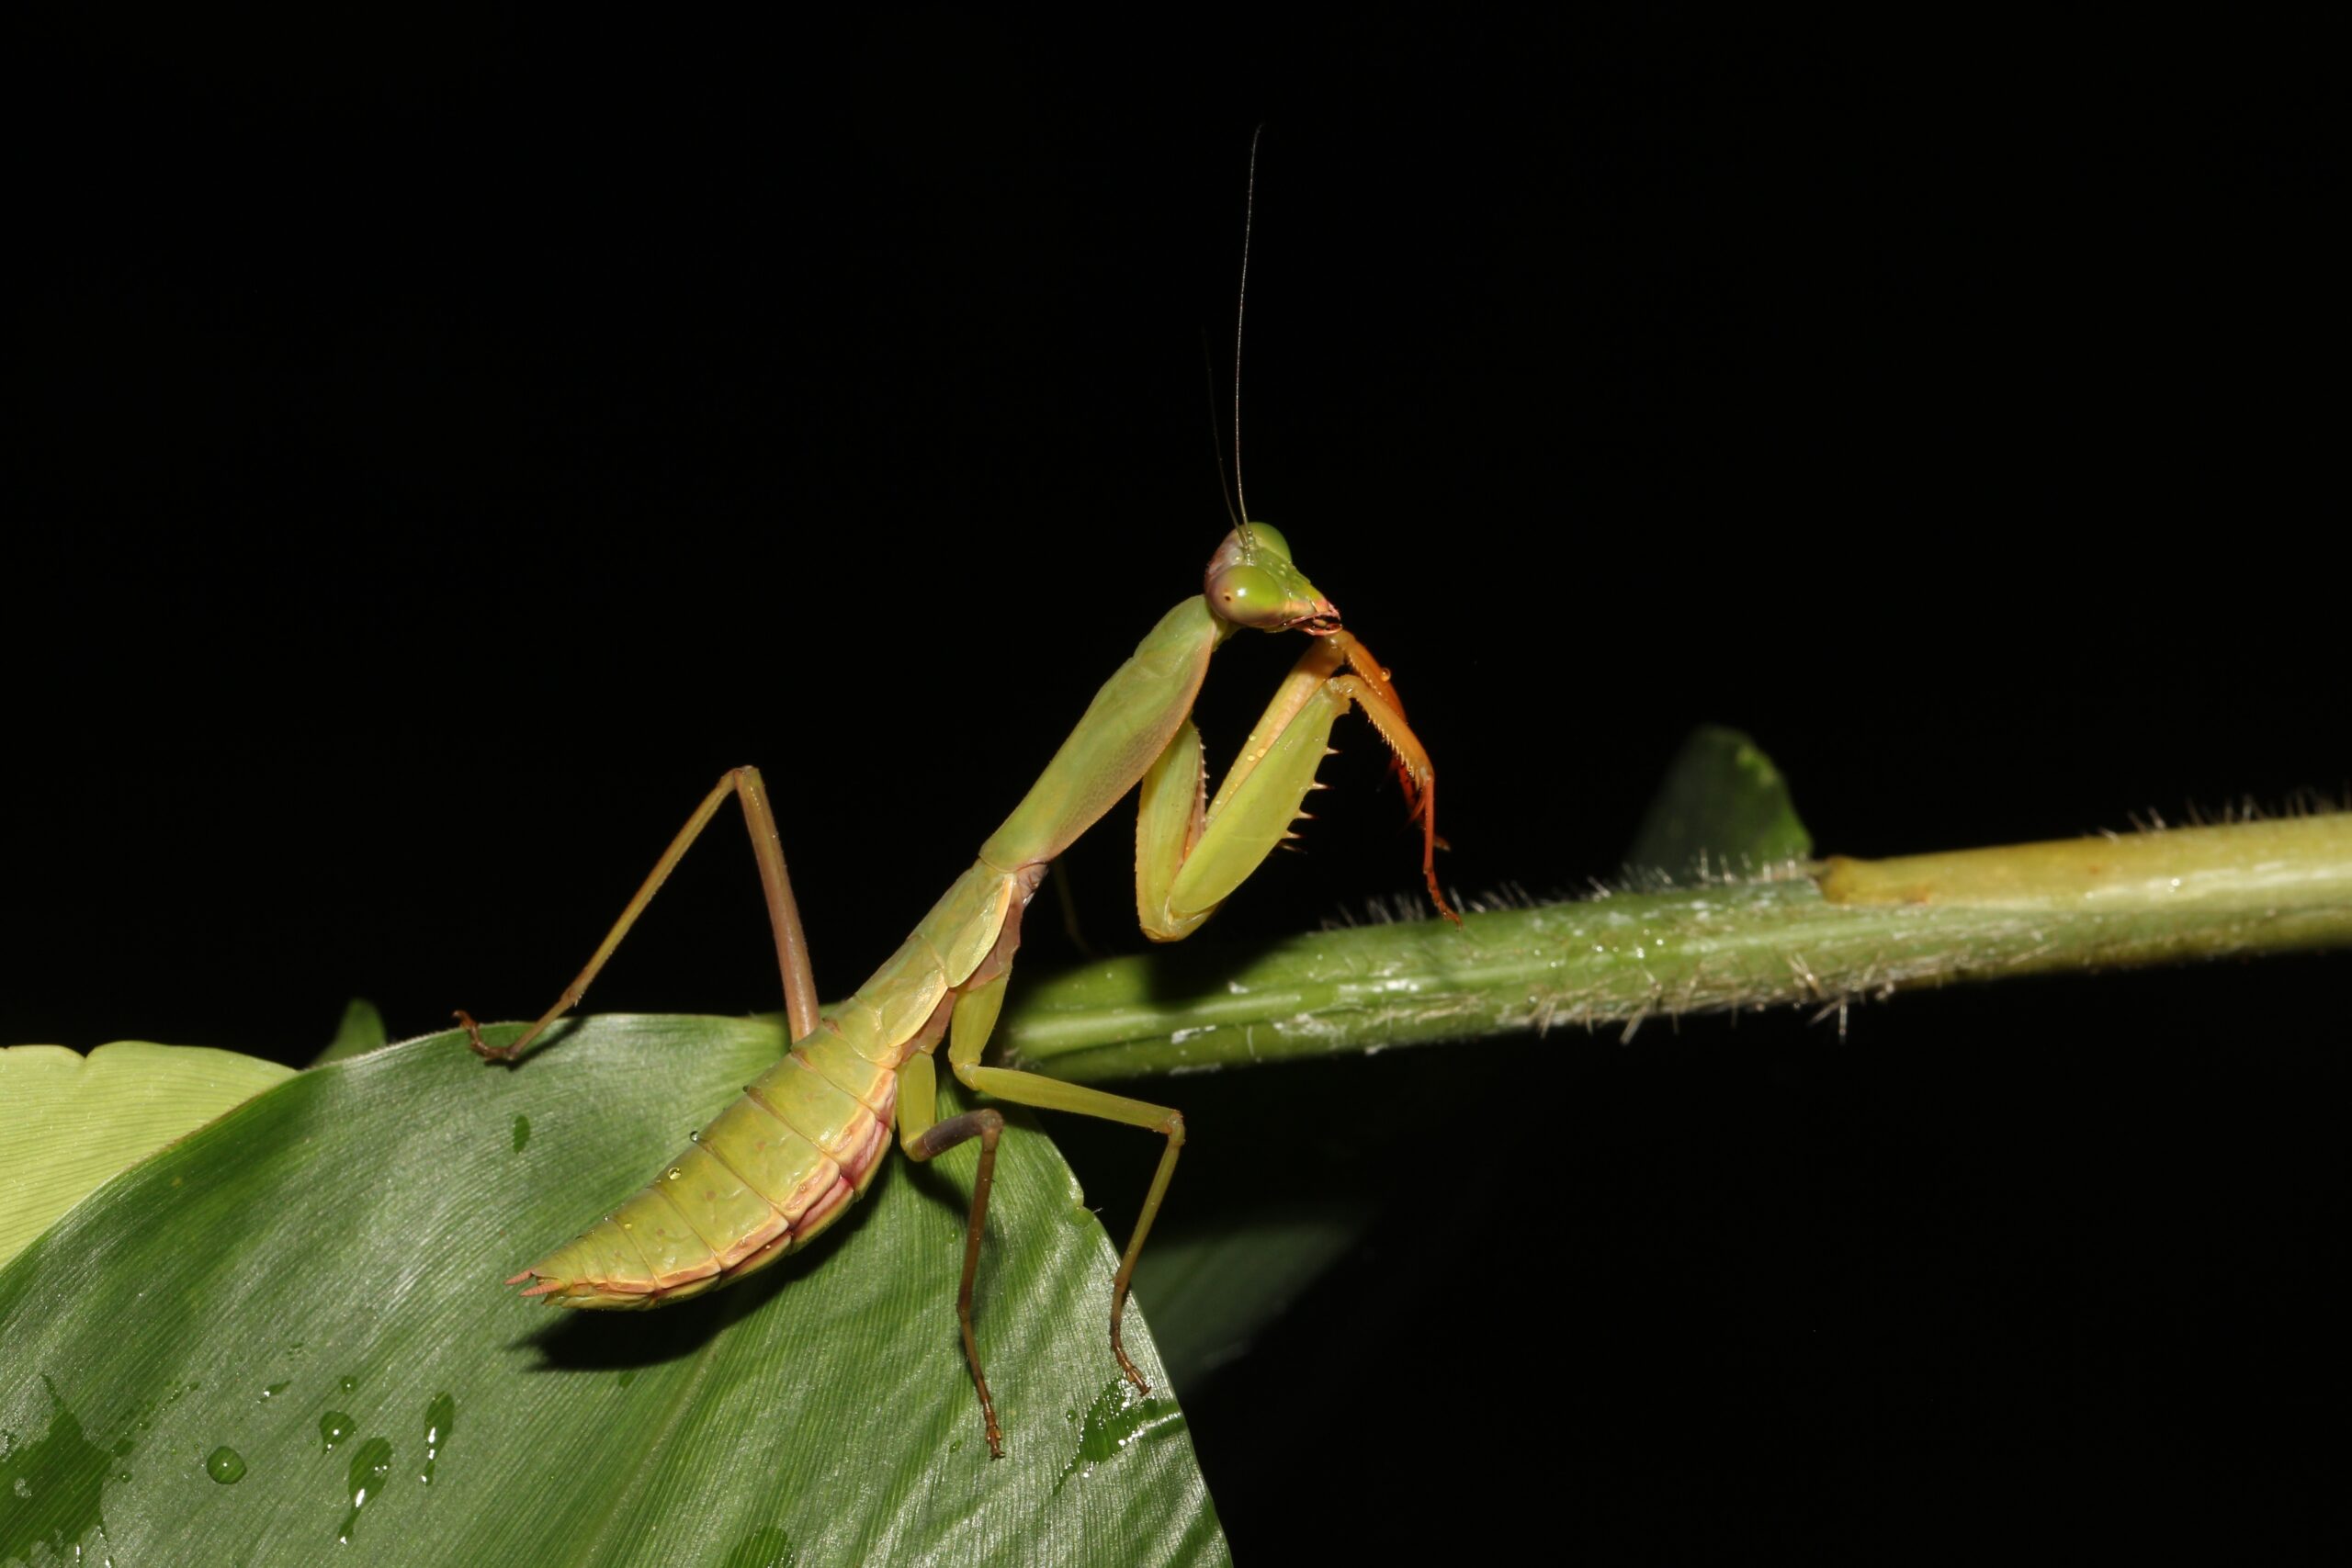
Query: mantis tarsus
x,y
805,1138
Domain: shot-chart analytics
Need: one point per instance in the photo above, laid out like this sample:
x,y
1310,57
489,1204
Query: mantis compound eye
x,y
1247,594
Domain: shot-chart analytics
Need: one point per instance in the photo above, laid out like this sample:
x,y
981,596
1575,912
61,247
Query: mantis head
x,y
1251,582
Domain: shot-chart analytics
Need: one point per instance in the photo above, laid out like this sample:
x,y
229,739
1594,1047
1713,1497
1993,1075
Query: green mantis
x,y
806,1137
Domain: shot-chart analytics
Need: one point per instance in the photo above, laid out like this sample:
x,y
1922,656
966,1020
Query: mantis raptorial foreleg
x,y
1193,851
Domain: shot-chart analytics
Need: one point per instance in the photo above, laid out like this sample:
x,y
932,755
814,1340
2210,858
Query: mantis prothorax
x,y
787,1158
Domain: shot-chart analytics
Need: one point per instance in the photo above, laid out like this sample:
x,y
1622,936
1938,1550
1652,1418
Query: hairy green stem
x,y
1820,933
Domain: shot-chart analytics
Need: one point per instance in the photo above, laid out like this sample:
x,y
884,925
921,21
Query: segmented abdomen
x,y
803,1138
775,1168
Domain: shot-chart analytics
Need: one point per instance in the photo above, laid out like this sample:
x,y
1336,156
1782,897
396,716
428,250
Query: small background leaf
x,y
360,1031
210,1359
73,1120
1723,806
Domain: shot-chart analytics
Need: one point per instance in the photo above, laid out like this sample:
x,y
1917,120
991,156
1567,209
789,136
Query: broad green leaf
x,y
68,1121
1722,808
288,1332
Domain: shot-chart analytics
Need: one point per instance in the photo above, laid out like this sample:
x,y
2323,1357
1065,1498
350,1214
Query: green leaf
x,y
1217,1289
360,1031
1722,808
214,1357
72,1120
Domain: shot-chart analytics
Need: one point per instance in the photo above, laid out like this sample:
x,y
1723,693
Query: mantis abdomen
x,y
804,1139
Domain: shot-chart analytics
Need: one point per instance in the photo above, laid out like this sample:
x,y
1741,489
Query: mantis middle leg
x,y
923,1136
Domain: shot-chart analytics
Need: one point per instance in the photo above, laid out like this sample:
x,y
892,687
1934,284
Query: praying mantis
x,y
805,1138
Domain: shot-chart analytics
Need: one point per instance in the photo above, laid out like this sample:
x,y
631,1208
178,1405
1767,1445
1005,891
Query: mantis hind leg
x,y
775,885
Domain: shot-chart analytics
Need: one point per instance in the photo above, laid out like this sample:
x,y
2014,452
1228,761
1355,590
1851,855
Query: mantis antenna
x,y
1240,315
1216,440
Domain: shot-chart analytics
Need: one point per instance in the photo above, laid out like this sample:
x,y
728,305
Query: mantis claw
x,y
481,1047
1118,1347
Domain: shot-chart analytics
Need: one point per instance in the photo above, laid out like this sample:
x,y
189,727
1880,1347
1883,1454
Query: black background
x,y
446,441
